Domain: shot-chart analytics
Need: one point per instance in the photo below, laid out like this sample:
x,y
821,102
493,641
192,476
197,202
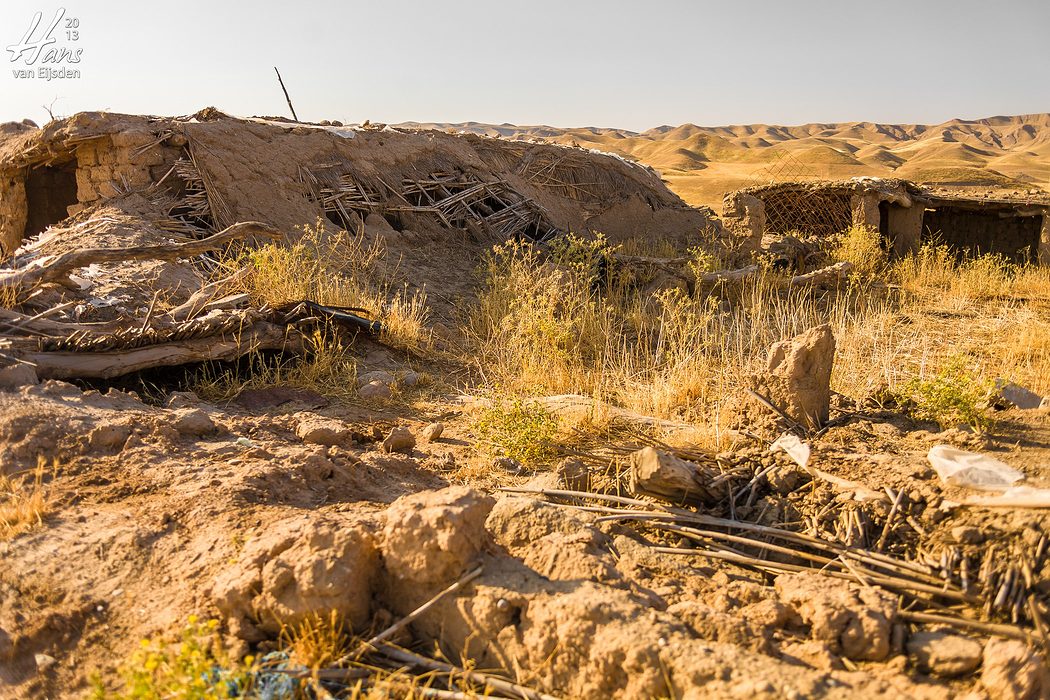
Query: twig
x,y
997,630
412,616
285,91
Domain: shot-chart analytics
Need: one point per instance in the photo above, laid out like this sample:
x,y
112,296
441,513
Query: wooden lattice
x,y
807,210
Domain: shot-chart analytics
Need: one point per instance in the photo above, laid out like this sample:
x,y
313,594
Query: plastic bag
x,y
972,470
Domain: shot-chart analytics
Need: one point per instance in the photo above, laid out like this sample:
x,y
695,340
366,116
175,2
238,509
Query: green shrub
x,y
521,430
194,668
951,396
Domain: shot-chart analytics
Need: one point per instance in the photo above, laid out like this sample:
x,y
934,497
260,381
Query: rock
x,y
1012,671
432,537
509,465
663,475
853,620
375,390
297,568
192,422
967,534
943,654
109,436
377,376
7,645
517,521
432,432
1010,394
317,430
411,378
17,375
400,439
181,399
798,376
44,661
573,475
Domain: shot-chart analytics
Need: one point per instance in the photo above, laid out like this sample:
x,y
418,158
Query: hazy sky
x,y
613,63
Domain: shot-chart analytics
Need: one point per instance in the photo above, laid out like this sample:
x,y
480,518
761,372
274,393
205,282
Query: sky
x,y
614,63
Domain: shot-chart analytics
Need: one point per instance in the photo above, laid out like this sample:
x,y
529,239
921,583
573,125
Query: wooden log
x,y
729,275
661,475
49,268
832,275
106,365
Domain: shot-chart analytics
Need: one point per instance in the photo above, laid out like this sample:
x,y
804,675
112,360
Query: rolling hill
x,y
702,163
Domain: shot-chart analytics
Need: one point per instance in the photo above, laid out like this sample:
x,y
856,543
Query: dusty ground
x,y
155,507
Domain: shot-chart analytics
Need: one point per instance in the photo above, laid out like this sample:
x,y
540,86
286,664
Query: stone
x,y
317,430
432,432
377,376
432,537
855,621
400,439
17,375
573,474
193,422
509,465
44,661
411,378
1016,395
375,390
798,376
967,534
944,654
109,436
297,568
1012,671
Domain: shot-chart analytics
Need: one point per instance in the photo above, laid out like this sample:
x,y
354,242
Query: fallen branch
x,y
830,275
46,269
106,365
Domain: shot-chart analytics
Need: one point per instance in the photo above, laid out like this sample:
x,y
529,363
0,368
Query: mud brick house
x,y
905,213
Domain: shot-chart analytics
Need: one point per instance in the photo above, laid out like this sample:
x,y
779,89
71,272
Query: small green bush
x,y
951,396
194,668
521,430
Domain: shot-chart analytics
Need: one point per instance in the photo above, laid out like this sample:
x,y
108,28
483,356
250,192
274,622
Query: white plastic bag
x,y
972,470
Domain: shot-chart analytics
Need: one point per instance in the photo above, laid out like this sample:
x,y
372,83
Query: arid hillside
x,y
702,163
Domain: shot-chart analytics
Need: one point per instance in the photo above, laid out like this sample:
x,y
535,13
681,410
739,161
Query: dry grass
x,y
861,246
335,269
540,328
25,500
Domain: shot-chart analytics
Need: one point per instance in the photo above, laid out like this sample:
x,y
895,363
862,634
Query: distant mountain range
x,y
701,162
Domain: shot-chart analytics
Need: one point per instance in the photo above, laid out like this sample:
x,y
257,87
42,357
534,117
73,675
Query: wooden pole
x,y
285,90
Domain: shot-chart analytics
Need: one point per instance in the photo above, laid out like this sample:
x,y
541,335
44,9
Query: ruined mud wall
x,y
982,232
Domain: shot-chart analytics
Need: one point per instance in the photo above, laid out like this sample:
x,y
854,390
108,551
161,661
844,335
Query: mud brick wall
x,y
1016,237
13,210
106,163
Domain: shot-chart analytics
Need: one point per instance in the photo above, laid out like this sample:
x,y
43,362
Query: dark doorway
x,y
973,232
50,189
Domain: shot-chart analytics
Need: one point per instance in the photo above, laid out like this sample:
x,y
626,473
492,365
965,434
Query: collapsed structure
x,y
904,213
435,200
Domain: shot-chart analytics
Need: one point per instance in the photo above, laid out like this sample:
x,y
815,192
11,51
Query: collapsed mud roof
x,y
905,213
102,215
221,170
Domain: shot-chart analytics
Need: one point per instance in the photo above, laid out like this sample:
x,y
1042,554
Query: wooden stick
x,y
285,91
393,629
494,682
1008,631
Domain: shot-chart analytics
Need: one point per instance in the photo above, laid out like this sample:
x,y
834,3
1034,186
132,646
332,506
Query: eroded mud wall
x,y
982,232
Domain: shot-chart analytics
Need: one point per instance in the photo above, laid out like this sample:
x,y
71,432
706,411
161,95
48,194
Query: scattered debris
x,y
971,470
